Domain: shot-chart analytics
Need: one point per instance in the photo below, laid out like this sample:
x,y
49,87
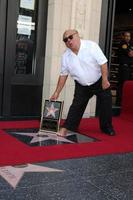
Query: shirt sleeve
x,y
64,69
98,54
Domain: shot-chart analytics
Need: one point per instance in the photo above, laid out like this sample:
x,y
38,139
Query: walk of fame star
x,y
51,110
44,136
14,174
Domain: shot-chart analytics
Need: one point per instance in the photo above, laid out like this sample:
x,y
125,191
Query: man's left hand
x,y
105,84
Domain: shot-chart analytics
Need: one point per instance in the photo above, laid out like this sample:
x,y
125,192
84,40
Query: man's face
x,y
71,39
127,37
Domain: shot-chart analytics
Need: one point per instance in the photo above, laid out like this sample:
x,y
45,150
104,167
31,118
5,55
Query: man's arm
x,y
59,87
105,82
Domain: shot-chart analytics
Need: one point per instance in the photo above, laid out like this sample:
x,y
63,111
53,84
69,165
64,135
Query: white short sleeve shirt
x,y
85,67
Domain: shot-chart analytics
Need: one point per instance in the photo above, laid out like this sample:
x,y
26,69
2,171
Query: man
x,y
87,65
125,59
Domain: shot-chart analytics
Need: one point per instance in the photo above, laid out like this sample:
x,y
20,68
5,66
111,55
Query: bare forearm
x,y
104,71
61,83
105,82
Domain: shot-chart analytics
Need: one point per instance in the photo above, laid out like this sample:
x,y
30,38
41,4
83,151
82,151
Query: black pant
x,y
125,73
82,95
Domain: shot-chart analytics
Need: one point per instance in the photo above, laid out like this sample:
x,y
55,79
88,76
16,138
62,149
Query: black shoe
x,y
109,131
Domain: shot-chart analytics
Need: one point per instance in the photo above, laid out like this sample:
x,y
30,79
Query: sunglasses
x,y
69,37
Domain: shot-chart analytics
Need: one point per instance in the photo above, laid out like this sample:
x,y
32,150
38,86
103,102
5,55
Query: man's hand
x,y
105,84
55,96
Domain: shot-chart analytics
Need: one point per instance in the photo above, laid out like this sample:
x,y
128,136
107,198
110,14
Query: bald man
x,y
84,61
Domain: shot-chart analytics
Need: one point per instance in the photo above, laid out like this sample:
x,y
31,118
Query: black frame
x,y
49,122
106,32
3,7
106,27
8,79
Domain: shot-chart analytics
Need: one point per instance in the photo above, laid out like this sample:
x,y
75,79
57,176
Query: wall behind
x,y
78,14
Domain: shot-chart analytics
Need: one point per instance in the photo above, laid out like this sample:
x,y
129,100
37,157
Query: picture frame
x,y
51,116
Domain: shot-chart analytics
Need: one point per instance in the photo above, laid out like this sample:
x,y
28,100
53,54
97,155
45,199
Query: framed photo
x,y
52,112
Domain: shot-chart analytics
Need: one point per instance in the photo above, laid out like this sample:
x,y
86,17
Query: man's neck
x,y
76,50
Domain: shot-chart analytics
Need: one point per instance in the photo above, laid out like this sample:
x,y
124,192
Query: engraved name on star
x,y
13,175
51,110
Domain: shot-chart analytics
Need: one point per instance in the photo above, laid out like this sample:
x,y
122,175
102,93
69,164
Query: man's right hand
x,y
60,85
55,96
